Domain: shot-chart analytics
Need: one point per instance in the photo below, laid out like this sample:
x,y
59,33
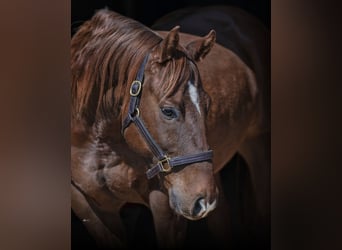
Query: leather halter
x,y
165,163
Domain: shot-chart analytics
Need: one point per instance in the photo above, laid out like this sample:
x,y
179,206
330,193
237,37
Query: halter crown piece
x,y
165,163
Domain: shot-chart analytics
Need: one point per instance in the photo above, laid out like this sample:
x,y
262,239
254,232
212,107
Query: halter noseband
x,y
165,163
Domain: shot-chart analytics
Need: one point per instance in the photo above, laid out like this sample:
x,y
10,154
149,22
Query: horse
x,y
155,116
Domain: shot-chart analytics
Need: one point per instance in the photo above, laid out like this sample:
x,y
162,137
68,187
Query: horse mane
x,y
106,53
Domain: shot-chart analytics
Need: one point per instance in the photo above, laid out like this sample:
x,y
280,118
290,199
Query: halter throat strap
x,y
165,163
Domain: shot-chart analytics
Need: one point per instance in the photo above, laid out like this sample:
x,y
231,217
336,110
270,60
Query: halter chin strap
x,y
165,163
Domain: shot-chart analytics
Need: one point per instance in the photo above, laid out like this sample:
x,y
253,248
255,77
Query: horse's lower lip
x,y
184,214
190,217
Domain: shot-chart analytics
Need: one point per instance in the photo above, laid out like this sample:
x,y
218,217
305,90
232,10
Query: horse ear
x,y
199,48
169,45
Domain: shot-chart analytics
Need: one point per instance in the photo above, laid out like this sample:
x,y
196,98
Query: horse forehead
x,y
173,76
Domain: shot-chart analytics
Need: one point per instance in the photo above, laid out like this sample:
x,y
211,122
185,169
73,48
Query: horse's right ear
x,y
169,44
199,48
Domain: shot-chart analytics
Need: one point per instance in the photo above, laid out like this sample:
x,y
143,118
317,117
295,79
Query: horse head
x,y
164,121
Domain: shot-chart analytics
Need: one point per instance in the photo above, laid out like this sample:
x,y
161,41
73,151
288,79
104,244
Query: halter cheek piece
x,y
165,163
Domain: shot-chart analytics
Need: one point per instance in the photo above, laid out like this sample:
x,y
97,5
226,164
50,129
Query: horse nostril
x,y
199,206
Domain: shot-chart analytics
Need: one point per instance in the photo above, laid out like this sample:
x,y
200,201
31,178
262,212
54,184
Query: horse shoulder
x,y
106,178
126,183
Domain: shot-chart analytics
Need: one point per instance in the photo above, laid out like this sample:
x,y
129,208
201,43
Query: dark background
x,y
148,11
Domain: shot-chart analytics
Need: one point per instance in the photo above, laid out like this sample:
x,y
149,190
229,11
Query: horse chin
x,y
191,217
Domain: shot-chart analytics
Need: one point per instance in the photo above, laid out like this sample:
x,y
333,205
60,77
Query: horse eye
x,y
169,113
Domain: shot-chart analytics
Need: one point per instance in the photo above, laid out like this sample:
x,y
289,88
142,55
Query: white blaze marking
x,y
194,96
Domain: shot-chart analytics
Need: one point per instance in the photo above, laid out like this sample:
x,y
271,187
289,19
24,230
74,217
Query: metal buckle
x,y
133,91
137,112
161,163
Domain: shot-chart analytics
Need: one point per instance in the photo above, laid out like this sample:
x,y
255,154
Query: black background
x,y
148,11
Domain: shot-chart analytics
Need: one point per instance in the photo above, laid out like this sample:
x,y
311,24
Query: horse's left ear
x,y
199,48
169,44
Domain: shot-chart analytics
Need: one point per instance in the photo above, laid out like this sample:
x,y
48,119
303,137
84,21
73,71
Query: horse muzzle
x,y
201,209
198,209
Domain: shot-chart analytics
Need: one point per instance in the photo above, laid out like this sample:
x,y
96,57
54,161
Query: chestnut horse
x,y
155,117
